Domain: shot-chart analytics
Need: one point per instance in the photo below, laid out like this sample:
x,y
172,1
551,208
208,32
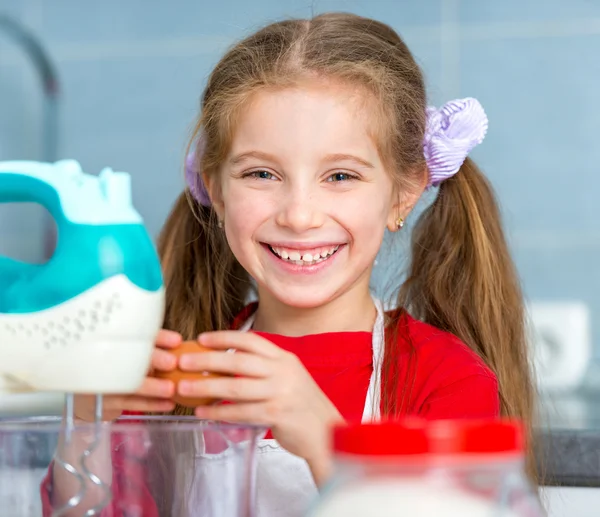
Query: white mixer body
x,y
101,341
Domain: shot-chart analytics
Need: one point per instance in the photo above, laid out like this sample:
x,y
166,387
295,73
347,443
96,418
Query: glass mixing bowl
x,y
137,466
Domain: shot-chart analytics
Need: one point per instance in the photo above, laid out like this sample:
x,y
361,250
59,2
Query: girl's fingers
x,y
253,413
142,404
156,388
227,388
114,405
163,360
242,341
239,363
168,339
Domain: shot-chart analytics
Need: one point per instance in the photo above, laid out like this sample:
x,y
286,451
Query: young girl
x,y
314,137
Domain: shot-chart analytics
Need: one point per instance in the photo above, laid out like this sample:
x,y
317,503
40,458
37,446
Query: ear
x,y
406,201
213,188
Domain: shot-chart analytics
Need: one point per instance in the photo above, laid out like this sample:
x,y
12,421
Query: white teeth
x,y
307,259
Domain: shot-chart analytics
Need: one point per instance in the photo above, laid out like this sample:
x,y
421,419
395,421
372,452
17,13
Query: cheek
x,y
243,216
365,219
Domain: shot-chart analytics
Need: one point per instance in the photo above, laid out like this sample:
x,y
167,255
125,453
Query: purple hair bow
x,y
451,133
193,178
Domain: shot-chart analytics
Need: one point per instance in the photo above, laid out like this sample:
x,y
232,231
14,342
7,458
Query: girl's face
x,y
304,196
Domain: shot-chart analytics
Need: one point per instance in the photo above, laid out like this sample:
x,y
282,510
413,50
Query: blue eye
x,y
340,176
260,175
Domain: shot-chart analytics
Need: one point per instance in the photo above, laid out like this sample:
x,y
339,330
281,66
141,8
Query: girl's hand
x,y
270,387
153,395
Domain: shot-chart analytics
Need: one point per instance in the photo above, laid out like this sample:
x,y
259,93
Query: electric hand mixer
x,y
85,321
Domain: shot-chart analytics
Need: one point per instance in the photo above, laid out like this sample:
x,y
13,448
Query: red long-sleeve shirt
x,y
439,377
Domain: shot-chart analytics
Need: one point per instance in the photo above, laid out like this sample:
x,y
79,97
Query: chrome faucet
x,y
51,91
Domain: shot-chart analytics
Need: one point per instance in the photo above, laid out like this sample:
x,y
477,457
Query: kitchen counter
x,y
569,436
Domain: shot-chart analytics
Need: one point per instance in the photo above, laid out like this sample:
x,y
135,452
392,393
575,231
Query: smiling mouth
x,y
303,257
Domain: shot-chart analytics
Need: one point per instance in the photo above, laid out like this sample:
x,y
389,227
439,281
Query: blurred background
x,y
117,83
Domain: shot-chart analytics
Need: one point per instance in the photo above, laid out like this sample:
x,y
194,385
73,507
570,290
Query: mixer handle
x,y
68,193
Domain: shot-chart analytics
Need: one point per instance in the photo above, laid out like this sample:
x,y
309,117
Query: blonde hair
x,y
461,277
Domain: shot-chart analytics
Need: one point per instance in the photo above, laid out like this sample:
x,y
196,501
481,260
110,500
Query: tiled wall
x,y
132,71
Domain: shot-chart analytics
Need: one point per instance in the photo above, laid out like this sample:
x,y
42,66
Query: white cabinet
x,y
571,502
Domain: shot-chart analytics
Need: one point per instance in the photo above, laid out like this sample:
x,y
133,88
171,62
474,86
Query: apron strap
x,y
372,411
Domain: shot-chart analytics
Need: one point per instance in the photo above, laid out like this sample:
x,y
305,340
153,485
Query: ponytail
x,y
462,280
206,287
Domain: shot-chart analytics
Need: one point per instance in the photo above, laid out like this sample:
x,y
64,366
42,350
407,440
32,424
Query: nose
x,y
299,209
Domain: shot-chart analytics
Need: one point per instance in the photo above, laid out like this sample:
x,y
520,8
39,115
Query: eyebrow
x,y
338,157
242,157
348,157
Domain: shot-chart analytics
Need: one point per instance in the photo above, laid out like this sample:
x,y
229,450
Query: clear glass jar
x,y
134,467
427,469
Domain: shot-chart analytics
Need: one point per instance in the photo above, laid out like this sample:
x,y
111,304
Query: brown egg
x,y
177,375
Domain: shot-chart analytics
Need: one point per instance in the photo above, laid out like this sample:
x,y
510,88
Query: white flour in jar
x,y
390,498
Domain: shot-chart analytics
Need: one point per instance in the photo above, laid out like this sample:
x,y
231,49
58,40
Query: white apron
x,y
284,483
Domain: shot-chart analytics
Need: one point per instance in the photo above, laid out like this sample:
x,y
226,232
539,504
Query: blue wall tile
x,y
519,11
23,227
134,95
115,20
541,151
561,270
12,8
400,15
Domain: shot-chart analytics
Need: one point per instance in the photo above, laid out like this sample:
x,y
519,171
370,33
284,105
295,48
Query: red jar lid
x,y
418,437
406,438
476,437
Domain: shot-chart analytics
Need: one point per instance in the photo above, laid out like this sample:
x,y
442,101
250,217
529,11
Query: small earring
x,y
220,223
400,222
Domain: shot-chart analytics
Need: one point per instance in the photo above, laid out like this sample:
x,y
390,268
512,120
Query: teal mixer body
x,y
90,247
100,294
